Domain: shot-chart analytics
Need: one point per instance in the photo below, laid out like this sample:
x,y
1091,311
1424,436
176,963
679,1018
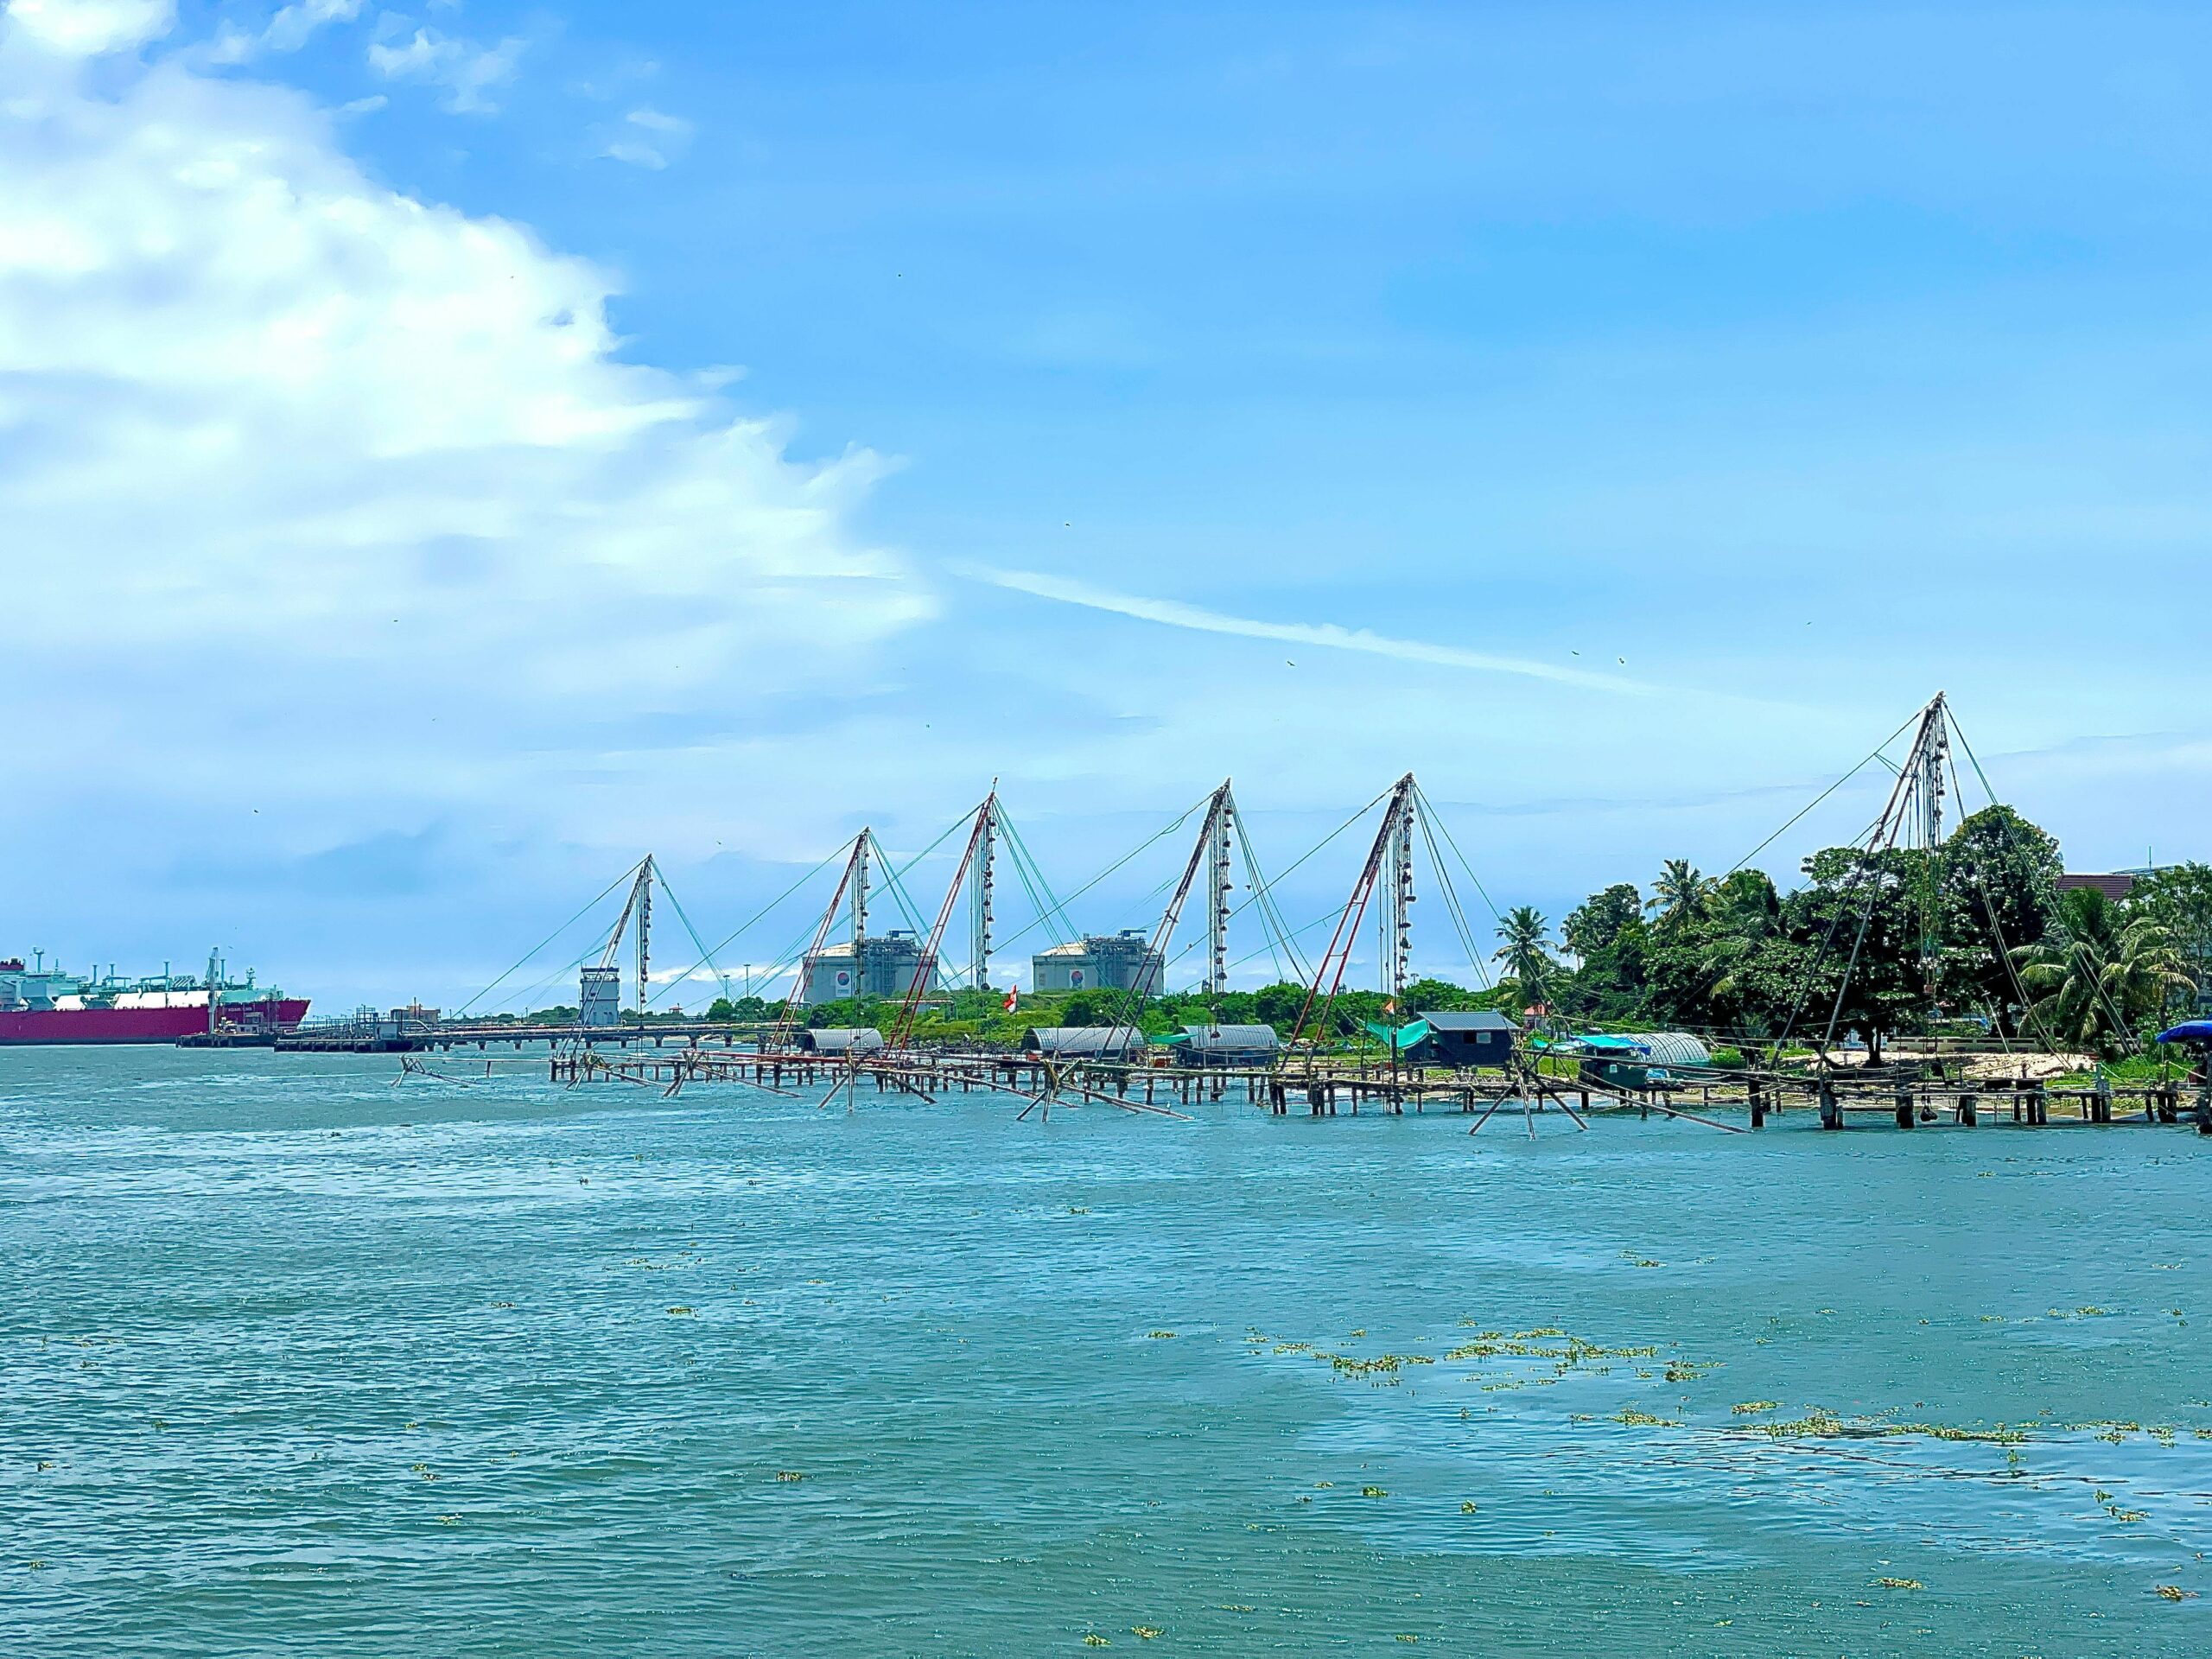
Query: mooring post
x,y
1831,1107
1758,1104
1967,1114
1905,1108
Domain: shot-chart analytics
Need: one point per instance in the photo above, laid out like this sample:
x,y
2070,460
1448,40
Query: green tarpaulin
x,y
1400,1038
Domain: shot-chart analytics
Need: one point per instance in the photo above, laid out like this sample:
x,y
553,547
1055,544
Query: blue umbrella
x,y
2190,1031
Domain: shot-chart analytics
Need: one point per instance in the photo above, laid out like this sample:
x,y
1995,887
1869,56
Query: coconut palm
x,y
2098,976
1526,933
1680,892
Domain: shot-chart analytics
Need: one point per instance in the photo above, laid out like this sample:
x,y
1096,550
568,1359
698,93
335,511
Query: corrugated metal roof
x,y
1658,1047
1082,1040
1479,1020
1245,1037
841,1039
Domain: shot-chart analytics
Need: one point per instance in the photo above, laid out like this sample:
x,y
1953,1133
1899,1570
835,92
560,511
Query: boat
x,y
43,1005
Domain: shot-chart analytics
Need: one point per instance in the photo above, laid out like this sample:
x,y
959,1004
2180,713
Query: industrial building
x,y
1482,1038
1101,961
599,1003
881,965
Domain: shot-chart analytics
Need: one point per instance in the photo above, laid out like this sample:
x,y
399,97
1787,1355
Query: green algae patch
x,y
1820,1424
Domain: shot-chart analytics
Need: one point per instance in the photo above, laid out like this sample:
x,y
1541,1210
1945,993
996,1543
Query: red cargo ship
x,y
40,1004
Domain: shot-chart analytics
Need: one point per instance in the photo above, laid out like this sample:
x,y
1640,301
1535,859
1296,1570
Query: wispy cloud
x,y
646,137
1329,636
468,71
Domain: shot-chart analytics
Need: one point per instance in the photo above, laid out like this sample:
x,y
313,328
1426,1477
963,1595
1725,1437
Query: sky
x,y
448,453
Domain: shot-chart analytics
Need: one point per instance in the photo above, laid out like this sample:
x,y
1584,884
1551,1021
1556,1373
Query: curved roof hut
x,y
1082,1042
841,1039
1635,1060
1229,1046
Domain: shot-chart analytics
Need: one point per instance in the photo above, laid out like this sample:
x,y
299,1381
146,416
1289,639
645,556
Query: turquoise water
x,y
298,1362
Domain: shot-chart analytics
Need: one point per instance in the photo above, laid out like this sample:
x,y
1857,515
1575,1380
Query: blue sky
x,y
458,448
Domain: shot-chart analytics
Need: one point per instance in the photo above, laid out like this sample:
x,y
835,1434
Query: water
x,y
298,1363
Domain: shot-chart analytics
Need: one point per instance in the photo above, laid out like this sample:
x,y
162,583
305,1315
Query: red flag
x,y
1013,995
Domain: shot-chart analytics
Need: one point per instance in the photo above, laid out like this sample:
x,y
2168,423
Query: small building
x,y
1082,1042
2115,887
882,965
839,1040
1228,1045
1482,1038
1101,961
599,998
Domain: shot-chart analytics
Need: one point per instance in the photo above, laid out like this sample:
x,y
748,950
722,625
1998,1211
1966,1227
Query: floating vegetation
x,y
1145,1632
790,1474
1545,1343
1900,1584
1820,1424
1385,1367
679,1310
1753,1407
2175,1592
1373,1492
1095,1640
1159,1336
1466,1509
1683,1370
1636,1260
1078,1209
1235,1607
1636,1419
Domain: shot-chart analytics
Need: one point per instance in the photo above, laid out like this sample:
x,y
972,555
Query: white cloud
x,y
288,30
466,71
1329,636
647,138
322,497
90,28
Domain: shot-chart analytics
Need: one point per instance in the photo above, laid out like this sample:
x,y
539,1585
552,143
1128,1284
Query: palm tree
x,y
1525,933
2098,977
1680,892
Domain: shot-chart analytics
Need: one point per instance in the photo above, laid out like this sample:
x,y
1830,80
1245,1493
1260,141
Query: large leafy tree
x,y
1996,884
1859,927
2179,898
1601,918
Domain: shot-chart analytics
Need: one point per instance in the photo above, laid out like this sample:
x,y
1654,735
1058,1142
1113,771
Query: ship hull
x,y
54,1027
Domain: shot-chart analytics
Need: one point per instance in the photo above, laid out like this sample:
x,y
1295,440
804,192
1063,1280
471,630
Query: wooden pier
x,y
672,1058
